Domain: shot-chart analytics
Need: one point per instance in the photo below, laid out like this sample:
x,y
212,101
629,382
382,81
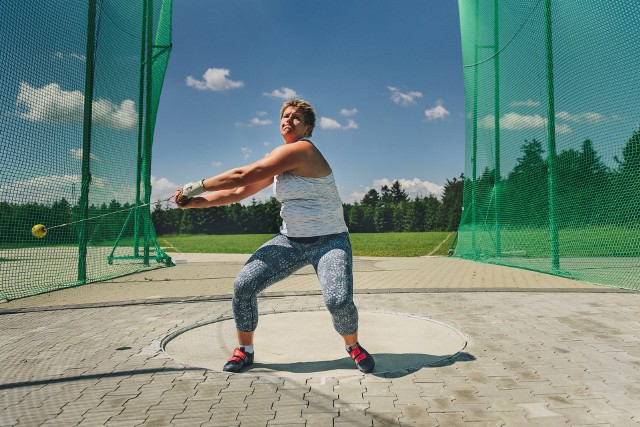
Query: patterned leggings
x,y
280,257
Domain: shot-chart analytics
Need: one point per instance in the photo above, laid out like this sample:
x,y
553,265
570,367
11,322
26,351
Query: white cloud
x,y
59,186
78,57
331,124
527,103
246,152
327,123
55,105
413,187
215,79
216,164
76,153
562,128
256,121
351,124
162,188
30,190
69,187
403,98
349,112
107,114
515,121
283,93
72,55
588,117
487,122
438,112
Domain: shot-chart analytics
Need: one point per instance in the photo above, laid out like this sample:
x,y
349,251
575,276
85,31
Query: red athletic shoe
x,y
238,361
364,361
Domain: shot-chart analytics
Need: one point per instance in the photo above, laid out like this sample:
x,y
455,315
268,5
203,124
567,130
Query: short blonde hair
x,y
308,112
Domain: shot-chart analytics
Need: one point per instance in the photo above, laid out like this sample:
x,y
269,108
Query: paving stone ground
x,y
541,351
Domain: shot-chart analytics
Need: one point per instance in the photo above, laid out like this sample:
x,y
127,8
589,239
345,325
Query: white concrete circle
x,y
304,344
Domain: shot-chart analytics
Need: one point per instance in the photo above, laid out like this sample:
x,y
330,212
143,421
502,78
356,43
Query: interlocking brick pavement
x,y
534,357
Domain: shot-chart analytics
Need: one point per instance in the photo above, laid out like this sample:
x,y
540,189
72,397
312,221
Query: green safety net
x,y
79,91
552,170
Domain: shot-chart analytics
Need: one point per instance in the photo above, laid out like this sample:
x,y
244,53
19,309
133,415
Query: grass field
x,y
364,244
585,242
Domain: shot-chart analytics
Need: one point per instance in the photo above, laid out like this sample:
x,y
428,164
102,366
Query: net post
x,y
551,140
86,140
496,113
141,129
474,154
148,130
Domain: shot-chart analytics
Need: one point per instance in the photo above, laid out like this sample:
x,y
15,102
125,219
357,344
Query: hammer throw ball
x,y
39,231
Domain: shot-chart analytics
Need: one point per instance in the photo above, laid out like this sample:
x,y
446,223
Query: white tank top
x,y
310,206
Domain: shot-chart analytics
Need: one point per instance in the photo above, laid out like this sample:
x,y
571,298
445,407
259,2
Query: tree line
x,y
389,209
586,190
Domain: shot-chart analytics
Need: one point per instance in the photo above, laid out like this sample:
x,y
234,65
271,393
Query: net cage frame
x,y
495,77
134,248
482,236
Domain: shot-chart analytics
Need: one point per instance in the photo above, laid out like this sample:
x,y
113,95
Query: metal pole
x,y
86,141
551,141
496,112
148,132
474,154
143,61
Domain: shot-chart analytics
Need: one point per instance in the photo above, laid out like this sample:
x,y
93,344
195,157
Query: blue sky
x,y
385,78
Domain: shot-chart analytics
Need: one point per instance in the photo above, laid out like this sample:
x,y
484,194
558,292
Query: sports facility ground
x,y
457,343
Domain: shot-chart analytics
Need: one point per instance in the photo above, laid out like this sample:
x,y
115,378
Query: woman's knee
x,y
248,281
242,285
339,302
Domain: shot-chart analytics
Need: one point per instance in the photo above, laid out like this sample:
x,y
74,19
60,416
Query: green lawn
x,y
364,244
586,242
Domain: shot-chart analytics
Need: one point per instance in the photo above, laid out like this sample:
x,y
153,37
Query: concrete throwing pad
x,y
305,345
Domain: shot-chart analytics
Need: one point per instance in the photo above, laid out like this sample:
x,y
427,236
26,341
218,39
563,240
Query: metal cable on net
x,y
109,213
517,33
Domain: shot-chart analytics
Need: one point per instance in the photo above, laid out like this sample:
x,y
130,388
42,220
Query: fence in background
x,y
552,170
79,91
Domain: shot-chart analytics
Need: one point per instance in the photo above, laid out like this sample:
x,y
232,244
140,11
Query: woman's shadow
x,y
388,365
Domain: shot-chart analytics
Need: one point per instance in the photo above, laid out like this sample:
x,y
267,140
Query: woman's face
x,y
292,125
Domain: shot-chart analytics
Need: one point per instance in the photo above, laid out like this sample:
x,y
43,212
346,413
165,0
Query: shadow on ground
x,y
386,364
